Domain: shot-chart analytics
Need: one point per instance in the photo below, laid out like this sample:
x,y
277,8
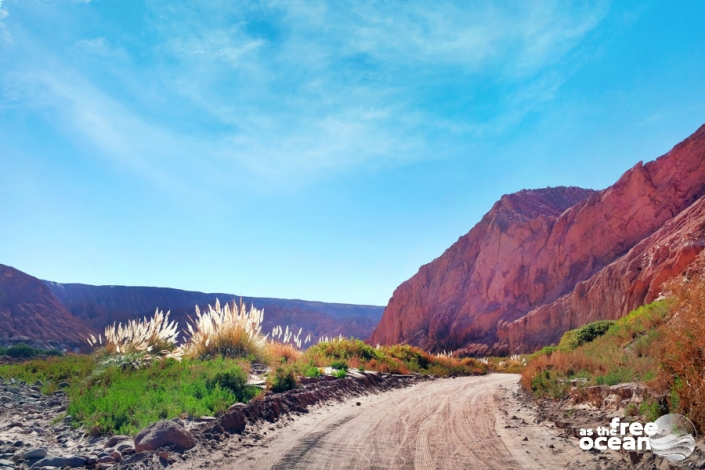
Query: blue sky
x,y
321,150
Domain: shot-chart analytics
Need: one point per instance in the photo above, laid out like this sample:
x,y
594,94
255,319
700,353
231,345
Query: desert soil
x,y
469,422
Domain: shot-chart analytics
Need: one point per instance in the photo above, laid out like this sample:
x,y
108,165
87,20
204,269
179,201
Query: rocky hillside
x,y
545,261
30,313
100,306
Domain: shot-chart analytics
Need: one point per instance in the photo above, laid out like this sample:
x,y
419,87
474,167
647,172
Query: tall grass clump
x,y
682,374
230,331
156,335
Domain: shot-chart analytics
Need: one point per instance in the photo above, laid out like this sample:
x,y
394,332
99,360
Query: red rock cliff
x,y
543,261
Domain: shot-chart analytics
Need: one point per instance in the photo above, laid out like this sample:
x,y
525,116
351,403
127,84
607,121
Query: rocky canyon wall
x,y
543,261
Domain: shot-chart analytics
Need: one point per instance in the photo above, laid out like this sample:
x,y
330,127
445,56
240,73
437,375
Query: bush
x,y
341,349
585,334
340,365
25,351
21,350
413,358
340,373
312,372
284,379
234,380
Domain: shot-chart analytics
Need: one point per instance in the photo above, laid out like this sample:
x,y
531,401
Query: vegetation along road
x,y
468,422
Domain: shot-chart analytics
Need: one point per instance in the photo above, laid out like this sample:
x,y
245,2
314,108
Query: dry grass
x,y
156,336
284,353
682,354
289,336
230,331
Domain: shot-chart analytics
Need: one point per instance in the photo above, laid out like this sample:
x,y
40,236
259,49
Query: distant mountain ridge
x,y
543,261
99,306
49,314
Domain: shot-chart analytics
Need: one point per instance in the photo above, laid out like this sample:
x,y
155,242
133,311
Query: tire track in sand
x,y
441,424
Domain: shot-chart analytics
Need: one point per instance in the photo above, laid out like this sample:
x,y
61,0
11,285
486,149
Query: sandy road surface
x,y
471,422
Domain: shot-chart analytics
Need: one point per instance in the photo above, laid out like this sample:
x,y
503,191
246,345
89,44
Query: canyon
x,y
539,263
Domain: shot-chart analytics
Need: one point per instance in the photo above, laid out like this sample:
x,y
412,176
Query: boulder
x,y
234,420
163,433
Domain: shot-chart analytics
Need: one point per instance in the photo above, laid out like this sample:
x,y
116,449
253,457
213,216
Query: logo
x,y
675,439
671,437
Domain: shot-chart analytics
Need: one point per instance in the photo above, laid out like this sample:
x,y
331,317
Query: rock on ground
x,y
163,433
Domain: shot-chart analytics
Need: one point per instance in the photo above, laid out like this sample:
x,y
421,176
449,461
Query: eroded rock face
x,y
564,256
29,312
630,281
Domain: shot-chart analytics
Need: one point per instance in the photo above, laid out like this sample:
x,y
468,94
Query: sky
x,y
319,150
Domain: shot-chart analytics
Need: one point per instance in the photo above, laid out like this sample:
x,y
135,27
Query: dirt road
x,y
471,422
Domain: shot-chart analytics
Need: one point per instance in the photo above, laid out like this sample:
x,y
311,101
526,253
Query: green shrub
x,y
545,351
344,349
651,410
312,372
340,365
284,379
234,380
340,373
585,334
21,351
25,351
413,358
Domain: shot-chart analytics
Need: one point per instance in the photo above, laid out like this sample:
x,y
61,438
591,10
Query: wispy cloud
x,y
290,91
